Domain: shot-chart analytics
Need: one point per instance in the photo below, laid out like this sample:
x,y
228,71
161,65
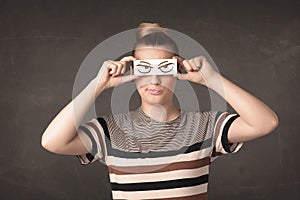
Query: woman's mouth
x,y
154,91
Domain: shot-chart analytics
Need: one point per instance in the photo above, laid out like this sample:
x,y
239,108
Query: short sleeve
x,y
91,136
223,121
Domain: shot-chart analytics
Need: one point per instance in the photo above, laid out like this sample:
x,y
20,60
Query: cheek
x,y
141,81
168,82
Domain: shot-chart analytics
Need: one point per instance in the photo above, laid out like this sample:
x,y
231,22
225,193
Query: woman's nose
x,y
155,79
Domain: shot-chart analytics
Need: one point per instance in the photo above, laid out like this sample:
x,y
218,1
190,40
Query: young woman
x,y
159,151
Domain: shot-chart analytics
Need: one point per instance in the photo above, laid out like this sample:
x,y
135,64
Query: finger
x,y
201,58
112,68
181,76
119,68
125,60
179,59
106,63
196,64
128,78
123,68
187,66
104,68
128,58
131,69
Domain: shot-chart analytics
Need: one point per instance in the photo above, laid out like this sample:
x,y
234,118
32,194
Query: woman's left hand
x,y
198,70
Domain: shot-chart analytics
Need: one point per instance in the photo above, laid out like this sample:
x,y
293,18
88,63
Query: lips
x,y
154,91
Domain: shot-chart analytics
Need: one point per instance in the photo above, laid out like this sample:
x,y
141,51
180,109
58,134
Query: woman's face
x,y
155,89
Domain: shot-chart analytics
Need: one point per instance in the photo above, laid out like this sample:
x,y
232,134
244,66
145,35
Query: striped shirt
x,y
148,159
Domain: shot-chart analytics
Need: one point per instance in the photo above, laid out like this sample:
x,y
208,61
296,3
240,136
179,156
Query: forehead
x,y
145,53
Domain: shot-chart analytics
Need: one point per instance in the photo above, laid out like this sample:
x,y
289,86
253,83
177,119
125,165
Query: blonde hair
x,y
154,34
146,28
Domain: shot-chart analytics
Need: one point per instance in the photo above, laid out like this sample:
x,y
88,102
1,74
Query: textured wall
x,y
42,44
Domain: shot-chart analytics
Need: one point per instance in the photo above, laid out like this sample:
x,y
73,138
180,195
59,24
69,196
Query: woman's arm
x,y
59,137
61,134
256,118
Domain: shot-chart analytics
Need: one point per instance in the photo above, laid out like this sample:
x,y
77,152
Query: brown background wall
x,y
43,43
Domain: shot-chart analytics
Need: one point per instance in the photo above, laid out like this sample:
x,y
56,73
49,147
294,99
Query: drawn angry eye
x,y
144,69
166,67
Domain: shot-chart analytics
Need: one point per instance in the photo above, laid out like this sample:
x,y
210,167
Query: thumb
x,y
181,76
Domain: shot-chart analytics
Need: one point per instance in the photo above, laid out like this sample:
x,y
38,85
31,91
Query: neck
x,y
160,112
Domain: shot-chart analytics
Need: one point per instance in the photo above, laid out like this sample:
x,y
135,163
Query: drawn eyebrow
x,y
145,62
143,65
162,62
165,65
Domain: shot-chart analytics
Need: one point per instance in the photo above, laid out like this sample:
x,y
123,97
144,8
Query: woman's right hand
x,y
111,73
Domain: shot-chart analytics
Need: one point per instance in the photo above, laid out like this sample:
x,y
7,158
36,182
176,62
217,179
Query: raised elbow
x,y
48,146
271,126
275,123
45,144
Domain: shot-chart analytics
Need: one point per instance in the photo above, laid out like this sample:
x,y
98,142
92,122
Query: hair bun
x,y
148,28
